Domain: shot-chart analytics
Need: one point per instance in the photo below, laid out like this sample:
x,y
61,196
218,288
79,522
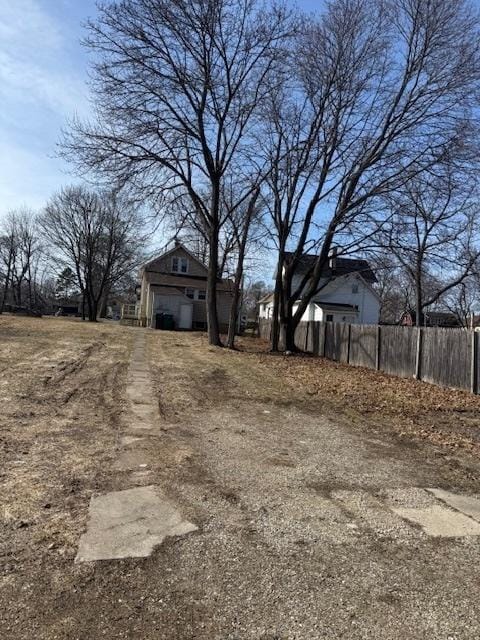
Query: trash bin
x,y
168,322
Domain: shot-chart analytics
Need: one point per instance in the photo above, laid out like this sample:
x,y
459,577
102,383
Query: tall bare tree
x,y
98,235
384,91
20,254
8,251
432,234
177,86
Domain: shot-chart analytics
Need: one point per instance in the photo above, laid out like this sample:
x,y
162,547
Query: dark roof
x,y
343,267
336,305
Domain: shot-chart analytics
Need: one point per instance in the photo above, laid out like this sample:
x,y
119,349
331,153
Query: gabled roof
x,y
343,267
163,254
266,298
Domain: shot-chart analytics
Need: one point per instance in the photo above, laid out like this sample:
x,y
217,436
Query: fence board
x,y
398,348
363,345
301,334
313,345
336,342
264,328
329,345
446,357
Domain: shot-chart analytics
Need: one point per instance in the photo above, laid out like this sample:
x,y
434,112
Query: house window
x,y
190,293
355,287
201,294
329,317
179,265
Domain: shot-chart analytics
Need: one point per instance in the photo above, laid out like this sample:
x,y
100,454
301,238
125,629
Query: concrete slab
x,y
145,413
142,477
131,459
466,504
126,441
129,524
441,521
369,512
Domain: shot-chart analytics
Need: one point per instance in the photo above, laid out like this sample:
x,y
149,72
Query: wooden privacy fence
x,y
448,357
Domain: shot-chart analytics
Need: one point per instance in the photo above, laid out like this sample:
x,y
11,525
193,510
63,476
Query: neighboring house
x,y
175,283
265,306
68,306
430,319
345,292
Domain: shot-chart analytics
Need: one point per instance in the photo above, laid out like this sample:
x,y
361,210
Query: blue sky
x,y
43,71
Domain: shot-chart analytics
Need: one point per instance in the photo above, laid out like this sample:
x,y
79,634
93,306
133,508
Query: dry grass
x,y
61,383
447,417
407,408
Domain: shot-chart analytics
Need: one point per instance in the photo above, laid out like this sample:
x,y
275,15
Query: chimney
x,y
332,262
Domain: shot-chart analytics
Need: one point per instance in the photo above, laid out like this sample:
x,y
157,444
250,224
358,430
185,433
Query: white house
x,y
345,293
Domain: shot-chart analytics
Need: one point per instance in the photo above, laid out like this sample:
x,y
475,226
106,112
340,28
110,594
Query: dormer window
x,y
355,287
179,265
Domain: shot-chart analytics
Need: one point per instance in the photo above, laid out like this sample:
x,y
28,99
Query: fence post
x,y
473,364
377,354
418,356
349,333
325,327
316,338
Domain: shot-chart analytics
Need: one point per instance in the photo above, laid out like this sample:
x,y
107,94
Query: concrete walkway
x,y
132,522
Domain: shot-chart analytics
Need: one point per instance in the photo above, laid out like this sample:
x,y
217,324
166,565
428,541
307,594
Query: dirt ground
x,y
289,468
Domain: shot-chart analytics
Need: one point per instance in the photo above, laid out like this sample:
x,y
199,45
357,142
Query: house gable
x,y
177,261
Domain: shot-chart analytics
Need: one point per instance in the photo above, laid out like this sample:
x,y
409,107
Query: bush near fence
x,y
443,356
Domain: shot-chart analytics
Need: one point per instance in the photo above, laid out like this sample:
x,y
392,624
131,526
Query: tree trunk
x,y
277,306
93,311
212,276
418,298
236,302
289,327
234,309
103,306
5,287
92,306
237,290
212,314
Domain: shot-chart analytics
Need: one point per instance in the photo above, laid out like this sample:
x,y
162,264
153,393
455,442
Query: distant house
x,y
430,319
345,292
174,284
68,306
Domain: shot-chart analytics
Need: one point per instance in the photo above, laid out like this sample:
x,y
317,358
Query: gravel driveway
x,y
298,514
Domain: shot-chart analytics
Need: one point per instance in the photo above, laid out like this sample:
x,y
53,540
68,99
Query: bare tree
x,y
432,234
8,250
98,235
20,255
177,86
242,222
385,91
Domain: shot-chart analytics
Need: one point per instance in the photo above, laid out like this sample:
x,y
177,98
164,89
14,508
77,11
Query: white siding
x,y
341,291
266,310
